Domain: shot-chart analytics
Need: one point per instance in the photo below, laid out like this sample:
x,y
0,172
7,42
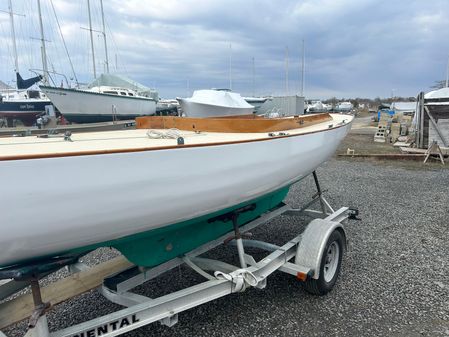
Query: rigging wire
x,y
9,56
116,48
63,41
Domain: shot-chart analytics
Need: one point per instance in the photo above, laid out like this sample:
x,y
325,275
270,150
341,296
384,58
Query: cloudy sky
x,y
353,48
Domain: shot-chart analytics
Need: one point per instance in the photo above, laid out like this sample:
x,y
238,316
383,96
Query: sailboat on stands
x,y
23,103
107,98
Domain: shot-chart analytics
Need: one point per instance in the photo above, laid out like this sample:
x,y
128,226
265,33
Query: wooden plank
x,y
386,156
242,124
436,127
444,150
22,307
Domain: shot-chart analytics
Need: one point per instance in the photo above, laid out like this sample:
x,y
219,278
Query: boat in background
x,y
153,193
315,106
108,98
167,107
214,103
23,104
256,102
344,107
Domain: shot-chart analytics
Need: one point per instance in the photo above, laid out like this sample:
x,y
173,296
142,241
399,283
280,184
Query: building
x,y
432,118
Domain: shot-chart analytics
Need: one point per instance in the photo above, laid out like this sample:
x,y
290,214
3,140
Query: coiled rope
x,y
241,278
169,134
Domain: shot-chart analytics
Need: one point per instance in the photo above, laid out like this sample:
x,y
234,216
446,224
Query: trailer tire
x,y
329,267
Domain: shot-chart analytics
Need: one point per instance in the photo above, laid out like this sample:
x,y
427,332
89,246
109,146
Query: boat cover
x,y
124,82
219,98
440,93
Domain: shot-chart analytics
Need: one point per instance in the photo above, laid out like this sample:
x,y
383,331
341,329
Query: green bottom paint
x,y
162,244
159,245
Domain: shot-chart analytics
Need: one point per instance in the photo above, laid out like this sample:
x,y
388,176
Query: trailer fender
x,y
313,241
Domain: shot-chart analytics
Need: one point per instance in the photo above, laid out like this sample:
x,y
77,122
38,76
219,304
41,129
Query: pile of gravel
x,y
394,281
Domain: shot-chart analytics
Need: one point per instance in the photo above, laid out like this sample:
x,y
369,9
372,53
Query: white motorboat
x,y
153,192
100,103
215,103
344,107
256,102
315,106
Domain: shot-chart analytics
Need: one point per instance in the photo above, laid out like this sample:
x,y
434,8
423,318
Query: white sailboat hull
x,y
53,205
85,106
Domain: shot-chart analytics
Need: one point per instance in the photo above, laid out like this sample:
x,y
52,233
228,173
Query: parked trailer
x,y
313,257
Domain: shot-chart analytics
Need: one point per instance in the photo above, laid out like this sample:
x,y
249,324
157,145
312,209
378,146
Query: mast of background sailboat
x,y
286,71
230,66
91,38
104,36
44,52
254,78
286,81
302,68
447,74
13,35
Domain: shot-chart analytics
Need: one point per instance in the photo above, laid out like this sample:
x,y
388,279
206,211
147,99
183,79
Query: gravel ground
x,y
394,281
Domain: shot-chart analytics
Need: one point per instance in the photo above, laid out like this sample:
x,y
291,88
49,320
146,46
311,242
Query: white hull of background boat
x,y
194,109
214,103
51,205
82,106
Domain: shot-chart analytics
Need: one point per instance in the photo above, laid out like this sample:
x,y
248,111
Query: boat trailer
x,y
314,257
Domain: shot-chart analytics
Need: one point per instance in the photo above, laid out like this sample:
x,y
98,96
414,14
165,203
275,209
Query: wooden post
x,y
434,148
435,125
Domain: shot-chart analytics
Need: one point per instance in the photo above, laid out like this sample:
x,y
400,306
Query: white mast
x,y
303,68
230,66
447,74
286,71
91,39
254,77
44,52
13,35
104,36
286,82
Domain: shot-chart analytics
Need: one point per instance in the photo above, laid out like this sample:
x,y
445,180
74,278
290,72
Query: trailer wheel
x,y
329,267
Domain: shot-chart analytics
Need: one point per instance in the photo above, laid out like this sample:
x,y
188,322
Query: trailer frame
x,y
300,258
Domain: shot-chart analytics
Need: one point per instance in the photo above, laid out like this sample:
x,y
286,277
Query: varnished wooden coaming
x,y
241,124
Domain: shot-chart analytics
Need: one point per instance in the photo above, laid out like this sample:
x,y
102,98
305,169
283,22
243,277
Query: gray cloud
x,y
353,48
